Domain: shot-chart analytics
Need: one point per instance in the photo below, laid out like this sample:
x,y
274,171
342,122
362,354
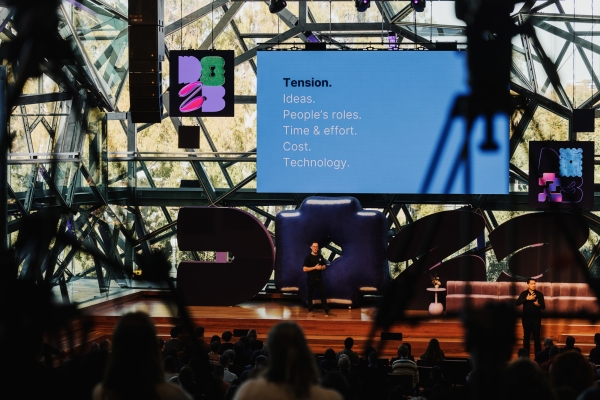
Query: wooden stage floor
x,y
321,332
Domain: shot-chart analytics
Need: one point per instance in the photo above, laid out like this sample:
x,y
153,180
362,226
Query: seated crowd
x,y
138,364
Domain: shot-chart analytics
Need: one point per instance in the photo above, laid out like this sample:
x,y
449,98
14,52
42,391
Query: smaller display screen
x,y
201,83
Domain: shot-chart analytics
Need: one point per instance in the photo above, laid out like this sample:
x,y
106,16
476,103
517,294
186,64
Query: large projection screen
x,y
369,122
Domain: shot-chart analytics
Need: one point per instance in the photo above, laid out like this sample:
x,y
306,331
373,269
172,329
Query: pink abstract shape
x,y
191,103
549,192
190,89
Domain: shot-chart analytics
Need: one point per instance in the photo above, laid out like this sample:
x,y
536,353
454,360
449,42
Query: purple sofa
x,y
559,297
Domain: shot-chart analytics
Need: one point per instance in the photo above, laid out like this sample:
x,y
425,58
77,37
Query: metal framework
x,y
83,160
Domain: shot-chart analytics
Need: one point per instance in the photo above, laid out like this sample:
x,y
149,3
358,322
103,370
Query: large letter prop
x,y
430,240
362,235
222,230
545,243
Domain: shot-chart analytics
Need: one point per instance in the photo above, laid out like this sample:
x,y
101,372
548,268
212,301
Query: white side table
x,y
436,308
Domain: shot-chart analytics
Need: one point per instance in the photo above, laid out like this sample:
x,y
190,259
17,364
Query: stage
x,y
321,332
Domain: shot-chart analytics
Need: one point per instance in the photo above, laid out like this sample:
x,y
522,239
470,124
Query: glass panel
x,y
245,79
19,176
153,218
104,39
166,174
233,134
240,171
39,136
593,137
159,138
397,6
116,137
17,130
117,174
545,125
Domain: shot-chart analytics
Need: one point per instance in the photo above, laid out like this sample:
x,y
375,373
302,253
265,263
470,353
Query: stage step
x,y
321,332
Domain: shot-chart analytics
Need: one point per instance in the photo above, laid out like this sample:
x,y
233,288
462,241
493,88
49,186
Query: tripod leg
x,y
456,111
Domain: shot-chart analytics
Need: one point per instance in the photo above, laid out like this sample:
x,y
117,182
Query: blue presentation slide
x,y
370,122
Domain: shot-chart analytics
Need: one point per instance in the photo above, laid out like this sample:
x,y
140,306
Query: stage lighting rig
x,y
362,5
276,5
418,5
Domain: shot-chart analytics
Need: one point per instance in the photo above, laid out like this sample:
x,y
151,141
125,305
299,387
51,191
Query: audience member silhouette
x,y
493,323
436,380
433,354
353,356
545,366
200,345
219,385
523,353
523,380
134,367
592,393
188,383
228,376
175,341
351,377
410,355
213,356
233,367
544,355
336,381
404,366
241,359
570,345
232,390
226,343
255,344
595,352
259,366
373,360
170,368
572,370
329,361
291,372
202,372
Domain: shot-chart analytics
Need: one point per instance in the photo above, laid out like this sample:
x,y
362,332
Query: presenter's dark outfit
x,y
532,318
314,281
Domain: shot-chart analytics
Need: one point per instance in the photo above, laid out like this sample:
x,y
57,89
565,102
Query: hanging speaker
x,y
188,137
146,104
146,117
583,120
145,78
145,90
146,42
146,12
145,66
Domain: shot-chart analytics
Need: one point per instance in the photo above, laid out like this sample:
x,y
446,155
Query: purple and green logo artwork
x,y
561,174
201,83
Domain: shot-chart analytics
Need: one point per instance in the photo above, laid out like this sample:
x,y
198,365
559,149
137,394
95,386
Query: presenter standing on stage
x,y
533,304
314,263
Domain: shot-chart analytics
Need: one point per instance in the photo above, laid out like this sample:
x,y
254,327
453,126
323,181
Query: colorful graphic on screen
x,y
561,174
201,83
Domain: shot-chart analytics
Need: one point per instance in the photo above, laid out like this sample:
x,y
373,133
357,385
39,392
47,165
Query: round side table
x,y
436,308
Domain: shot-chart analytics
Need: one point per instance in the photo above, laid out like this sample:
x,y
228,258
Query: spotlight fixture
x,y
418,5
362,5
276,6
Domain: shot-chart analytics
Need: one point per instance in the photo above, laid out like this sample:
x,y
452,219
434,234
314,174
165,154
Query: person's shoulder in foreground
x,y
262,389
164,390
